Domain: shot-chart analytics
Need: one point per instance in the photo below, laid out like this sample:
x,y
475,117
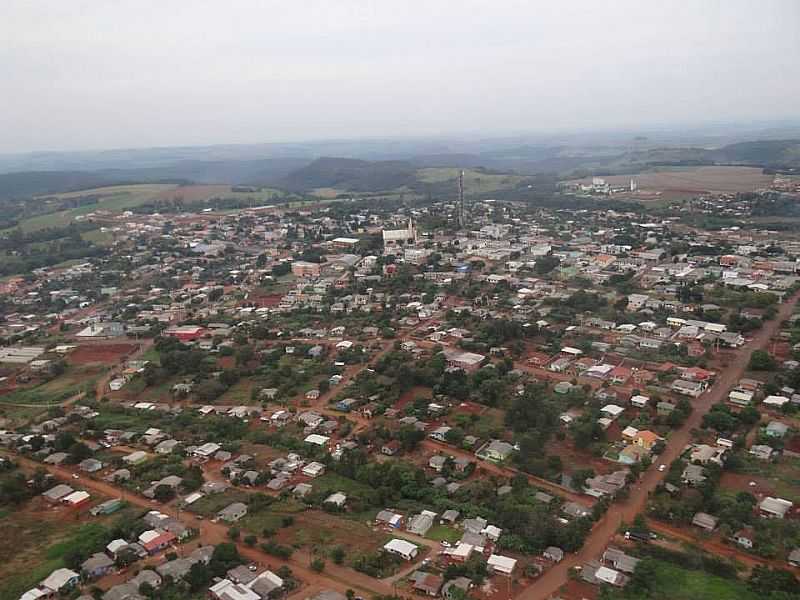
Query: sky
x,y
123,74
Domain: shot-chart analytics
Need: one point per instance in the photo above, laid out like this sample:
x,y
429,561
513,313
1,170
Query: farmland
x,y
694,180
476,182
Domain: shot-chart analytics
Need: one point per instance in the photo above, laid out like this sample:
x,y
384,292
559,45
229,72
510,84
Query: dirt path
x,y
552,580
502,471
715,547
334,577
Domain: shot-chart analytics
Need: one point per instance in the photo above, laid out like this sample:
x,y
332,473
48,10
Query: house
x,y
97,565
402,548
437,462
774,508
639,401
664,409
336,499
233,512
135,458
421,523
449,516
76,499
693,475
495,451
775,402
692,389
427,583
740,397
776,429
646,439
389,518
575,510
704,521
313,469
56,493
704,454
761,451
612,411
227,590
60,579
456,588
502,565
619,560
156,540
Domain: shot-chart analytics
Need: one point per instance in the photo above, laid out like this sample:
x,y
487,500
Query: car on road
x,y
662,468
75,476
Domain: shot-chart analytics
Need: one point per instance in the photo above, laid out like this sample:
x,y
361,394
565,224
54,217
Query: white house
x,y
401,548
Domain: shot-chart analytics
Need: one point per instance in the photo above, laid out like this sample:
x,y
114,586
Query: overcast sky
x,y
96,74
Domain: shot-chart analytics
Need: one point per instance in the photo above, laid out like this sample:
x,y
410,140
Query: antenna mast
x,y
462,218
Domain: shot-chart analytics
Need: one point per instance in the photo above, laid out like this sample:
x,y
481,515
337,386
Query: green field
x,y
113,199
270,517
55,391
211,504
444,533
475,182
674,583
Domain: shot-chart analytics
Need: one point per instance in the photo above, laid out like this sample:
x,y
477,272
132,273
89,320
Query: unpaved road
x,y
334,577
626,511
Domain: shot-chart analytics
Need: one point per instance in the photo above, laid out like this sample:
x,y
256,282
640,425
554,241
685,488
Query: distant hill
x,y
351,174
35,183
769,153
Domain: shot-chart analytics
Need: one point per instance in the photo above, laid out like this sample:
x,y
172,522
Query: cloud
x,y
121,74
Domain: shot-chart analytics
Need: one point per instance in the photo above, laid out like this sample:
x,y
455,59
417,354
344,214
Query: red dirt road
x,y
335,577
626,511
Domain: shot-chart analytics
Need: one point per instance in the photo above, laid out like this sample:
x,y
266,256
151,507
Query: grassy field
x,y
475,182
41,540
112,199
444,533
332,481
74,381
211,504
675,583
324,531
270,517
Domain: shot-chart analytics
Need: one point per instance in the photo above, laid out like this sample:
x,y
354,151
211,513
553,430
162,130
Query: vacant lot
x,y
695,179
319,529
100,353
210,505
74,381
674,583
41,538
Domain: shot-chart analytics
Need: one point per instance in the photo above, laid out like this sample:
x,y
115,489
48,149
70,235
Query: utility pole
x,y
462,218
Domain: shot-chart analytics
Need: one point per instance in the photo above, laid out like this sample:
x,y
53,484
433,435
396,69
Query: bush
x,y
318,565
276,549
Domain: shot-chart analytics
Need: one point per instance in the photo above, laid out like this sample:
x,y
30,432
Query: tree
x,y
318,565
164,493
761,360
337,555
545,264
765,580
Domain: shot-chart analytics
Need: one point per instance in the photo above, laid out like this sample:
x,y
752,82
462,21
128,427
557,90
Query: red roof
x,y
164,539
